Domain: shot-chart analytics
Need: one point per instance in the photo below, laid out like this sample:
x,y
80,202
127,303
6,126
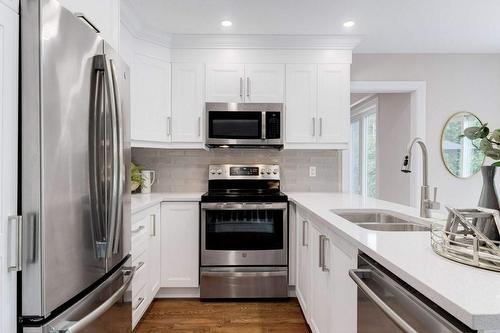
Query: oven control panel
x,y
255,171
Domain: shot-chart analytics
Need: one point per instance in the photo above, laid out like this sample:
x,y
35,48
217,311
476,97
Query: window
x,y
364,149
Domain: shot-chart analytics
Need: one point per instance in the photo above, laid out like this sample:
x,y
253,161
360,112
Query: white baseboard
x,y
195,292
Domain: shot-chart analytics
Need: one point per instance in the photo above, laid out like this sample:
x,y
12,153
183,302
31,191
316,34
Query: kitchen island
x,y
470,294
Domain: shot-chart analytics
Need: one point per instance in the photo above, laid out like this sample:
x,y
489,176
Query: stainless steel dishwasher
x,y
387,304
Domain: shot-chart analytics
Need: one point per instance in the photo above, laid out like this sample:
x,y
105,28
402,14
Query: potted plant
x,y
135,176
489,144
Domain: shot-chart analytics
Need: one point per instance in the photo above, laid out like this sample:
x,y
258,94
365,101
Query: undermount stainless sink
x,y
380,220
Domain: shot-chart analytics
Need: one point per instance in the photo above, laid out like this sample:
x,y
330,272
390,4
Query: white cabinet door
x,y
187,102
301,97
225,83
180,244
333,103
9,52
103,14
344,300
150,99
154,251
302,282
321,286
264,83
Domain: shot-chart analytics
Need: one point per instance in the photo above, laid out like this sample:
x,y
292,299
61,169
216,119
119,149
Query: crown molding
x,y
142,31
138,29
318,42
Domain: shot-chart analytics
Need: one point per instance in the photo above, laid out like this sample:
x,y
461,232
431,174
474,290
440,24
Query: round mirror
x,y
462,157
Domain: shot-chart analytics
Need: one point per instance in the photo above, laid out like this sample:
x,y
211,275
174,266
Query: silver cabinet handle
x,y
199,127
139,265
400,322
141,299
248,86
241,87
153,225
304,228
314,126
322,253
19,243
139,229
320,126
169,126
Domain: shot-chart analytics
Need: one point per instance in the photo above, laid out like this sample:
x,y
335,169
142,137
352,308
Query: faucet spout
x,y
425,203
406,168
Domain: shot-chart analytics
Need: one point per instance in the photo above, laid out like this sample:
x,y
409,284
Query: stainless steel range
x,y
244,233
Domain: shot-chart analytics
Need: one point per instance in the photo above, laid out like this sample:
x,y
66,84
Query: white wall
x,y
454,83
393,134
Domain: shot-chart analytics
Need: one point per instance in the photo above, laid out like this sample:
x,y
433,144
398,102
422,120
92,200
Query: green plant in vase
x,y
489,142
135,176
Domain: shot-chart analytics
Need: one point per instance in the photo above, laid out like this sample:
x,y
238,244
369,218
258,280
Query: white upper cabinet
x,y
150,99
180,244
187,102
264,83
333,103
225,83
301,99
317,106
258,83
102,14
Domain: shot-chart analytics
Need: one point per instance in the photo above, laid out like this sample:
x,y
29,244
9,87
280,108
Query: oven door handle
x,y
244,206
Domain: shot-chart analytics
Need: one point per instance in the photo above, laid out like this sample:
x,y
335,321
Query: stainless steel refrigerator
x,y
75,274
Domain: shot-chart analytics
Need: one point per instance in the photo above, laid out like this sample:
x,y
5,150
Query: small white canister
x,y
148,179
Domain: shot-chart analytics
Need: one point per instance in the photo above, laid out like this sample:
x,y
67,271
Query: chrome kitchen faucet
x,y
426,204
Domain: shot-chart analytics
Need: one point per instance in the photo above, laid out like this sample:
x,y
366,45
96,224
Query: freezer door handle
x,y
77,326
357,275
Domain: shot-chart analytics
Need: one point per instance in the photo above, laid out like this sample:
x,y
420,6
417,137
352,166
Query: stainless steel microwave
x,y
244,125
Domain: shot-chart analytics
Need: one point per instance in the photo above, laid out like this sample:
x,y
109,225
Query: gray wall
x,y
393,134
454,83
187,170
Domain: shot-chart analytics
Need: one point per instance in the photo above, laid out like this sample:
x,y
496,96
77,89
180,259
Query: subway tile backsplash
x,y
187,170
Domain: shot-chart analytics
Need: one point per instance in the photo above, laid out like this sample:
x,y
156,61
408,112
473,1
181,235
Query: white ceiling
x,y
387,26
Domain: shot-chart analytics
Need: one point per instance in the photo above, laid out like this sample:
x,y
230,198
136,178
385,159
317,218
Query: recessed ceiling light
x,y
349,24
226,23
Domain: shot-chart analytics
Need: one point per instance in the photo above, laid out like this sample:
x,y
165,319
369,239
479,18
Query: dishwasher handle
x,y
357,275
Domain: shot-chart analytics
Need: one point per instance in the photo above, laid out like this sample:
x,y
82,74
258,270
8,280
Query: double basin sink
x,y
382,220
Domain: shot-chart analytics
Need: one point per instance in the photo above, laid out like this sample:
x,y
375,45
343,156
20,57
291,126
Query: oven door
x,y
244,234
235,128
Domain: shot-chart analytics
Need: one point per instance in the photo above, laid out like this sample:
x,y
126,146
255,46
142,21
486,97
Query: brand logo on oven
x,y
244,254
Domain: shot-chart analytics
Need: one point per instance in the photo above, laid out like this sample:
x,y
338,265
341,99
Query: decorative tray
x,y
467,237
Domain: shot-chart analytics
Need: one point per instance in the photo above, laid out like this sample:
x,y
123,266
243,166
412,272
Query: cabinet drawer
x,y
139,305
139,238
141,276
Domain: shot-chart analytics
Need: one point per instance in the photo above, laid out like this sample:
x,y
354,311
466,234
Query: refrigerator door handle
x,y
77,326
120,167
113,138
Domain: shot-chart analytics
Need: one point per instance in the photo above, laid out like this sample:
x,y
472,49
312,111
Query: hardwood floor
x,y
195,316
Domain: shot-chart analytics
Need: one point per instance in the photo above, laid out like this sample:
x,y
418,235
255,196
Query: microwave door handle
x,y
263,131
356,275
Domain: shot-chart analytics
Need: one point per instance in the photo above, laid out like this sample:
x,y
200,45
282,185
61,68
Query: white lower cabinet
x,y
180,244
325,292
146,257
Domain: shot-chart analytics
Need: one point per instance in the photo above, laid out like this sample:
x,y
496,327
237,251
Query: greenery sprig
x,y
490,140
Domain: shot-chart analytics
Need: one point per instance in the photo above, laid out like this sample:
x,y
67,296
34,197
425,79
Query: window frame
x,y
360,114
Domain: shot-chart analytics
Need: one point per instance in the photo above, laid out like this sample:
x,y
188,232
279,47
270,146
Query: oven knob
x,y
275,171
262,171
268,171
219,171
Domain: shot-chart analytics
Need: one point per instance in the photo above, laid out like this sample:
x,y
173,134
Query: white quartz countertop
x,y
470,294
143,201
